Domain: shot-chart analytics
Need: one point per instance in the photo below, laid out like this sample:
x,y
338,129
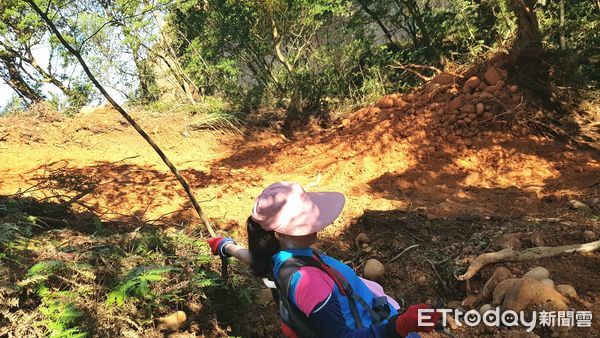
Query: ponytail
x,y
262,245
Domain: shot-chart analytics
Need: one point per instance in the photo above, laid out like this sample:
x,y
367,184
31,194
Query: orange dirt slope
x,y
449,150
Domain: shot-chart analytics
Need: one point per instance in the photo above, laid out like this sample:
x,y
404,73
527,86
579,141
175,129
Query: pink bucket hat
x,y
286,208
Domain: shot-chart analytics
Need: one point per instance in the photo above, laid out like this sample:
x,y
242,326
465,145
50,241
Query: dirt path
x,y
465,197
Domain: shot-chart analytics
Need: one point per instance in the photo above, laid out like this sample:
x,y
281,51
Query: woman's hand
x,y
409,320
218,244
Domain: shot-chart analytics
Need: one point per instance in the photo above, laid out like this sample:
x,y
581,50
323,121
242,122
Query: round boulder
x,y
493,75
528,292
567,290
538,273
374,270
473,82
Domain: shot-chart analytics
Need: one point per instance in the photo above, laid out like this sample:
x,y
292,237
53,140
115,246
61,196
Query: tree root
x,y
509,255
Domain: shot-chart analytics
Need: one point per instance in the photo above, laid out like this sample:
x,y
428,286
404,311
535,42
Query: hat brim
x,y
323,209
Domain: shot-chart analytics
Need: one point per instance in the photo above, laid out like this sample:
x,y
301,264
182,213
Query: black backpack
x,y
297,321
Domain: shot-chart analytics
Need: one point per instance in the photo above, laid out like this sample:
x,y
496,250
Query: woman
x,y
319,296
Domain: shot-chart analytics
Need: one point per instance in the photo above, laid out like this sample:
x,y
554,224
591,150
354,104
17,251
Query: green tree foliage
x,y
296,52
301,55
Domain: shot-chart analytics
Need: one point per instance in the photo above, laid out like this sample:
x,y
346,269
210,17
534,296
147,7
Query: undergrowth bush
x,y
213,113
137,284
103,283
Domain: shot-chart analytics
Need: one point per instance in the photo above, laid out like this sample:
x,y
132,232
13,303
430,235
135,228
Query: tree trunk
x,y
144,76
563,44
527,53
127,117
417,16
529,39
294,110
374,16
277,44
14,79
408,25
47,75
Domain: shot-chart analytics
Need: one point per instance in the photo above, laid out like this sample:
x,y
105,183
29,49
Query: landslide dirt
x,y
448,167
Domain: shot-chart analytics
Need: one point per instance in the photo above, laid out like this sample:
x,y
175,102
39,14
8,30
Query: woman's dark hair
x,y
262,245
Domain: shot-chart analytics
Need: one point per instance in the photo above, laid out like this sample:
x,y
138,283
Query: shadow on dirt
x,y
427,272
129,193
77,259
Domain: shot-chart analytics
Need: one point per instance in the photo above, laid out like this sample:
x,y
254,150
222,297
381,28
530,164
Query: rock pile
x,y
453,110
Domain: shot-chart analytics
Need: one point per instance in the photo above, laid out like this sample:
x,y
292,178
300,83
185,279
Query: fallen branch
x,y
76,198
52,220
412,68
545,219
509,255
403,251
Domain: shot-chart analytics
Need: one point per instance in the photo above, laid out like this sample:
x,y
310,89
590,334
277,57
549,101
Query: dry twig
x,y
412,68
403,251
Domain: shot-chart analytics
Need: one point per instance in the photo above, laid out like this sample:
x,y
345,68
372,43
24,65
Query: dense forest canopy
x,y
300,55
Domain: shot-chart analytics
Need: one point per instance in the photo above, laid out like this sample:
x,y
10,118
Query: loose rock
x,y
501,290
457,102
480,108
567,290
548,282
528,292
399,103
374,270
485,308
493,75
263,297
361,238
580,206
385,103
539,273
454,304
468,109
589,236
536,238
473,82
500,274
470,301
172,322
510,241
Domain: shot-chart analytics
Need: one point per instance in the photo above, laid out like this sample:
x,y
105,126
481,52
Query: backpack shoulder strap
x,y
291,265
290,315
287,270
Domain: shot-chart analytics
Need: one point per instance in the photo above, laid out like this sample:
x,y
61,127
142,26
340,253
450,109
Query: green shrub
x,y
137,284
